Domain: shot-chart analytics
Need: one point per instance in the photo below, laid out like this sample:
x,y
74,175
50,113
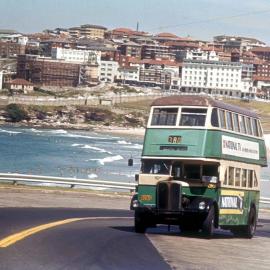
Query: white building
x,y
128,74
78,56
108,71
1,80
201,55
224,78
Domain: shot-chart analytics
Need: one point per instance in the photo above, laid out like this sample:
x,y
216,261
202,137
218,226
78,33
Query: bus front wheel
x,y
139,223
208,225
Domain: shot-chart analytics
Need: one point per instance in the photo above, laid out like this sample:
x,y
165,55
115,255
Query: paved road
x,y
97,243
86,244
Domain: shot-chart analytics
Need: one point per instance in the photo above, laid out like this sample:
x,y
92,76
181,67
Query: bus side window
x,y
236,122
242,124
229,120
248,125
244,178
260,128
231,176
255,127
222,121
250,178
225,181
255,183
237,177
214,118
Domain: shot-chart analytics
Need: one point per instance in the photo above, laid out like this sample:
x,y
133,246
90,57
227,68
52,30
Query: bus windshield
x,y
156,166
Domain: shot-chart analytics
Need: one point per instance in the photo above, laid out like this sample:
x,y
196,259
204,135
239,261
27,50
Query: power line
x,y
212,19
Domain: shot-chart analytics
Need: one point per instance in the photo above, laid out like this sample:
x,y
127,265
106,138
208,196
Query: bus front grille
x,y
168,196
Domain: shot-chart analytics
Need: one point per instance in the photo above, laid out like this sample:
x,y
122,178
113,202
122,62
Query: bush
x,y
16,113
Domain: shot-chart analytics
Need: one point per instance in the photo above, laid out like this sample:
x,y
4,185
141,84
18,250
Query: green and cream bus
x,y
200,168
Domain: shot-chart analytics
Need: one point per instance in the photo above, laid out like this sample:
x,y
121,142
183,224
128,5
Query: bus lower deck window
x,y
192,171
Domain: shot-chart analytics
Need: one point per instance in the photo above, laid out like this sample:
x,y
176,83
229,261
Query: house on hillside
x,y
20,85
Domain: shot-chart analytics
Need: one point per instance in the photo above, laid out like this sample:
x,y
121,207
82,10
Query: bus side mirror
x,y
130,162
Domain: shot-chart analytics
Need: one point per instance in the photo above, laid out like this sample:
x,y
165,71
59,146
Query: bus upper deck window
x,y
193,117
255,127
242,124
236,122
222,120
164,116
229,120
214,118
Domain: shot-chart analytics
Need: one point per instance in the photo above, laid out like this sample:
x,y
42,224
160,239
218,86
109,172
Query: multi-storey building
x,y
108,71
89,31
199,54
224,78
262,53
155,77
45,71
128,75
157,52
8,49
46,46
230,43
77,56
131,49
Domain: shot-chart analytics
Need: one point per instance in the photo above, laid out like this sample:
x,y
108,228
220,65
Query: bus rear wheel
x,y
208,225
250,229
139,223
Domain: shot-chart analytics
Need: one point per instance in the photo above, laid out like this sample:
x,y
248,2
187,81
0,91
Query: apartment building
x,y
155,77
224,78
45,71
262,53
108,71
198,54
128,75
157,52
131,49
9,49
230,43
77,56
89,31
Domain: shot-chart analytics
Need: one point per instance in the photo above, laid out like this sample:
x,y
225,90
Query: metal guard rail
x,y
14,177
72,182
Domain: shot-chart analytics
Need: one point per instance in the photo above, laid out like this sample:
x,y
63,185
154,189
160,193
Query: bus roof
x,y
192,100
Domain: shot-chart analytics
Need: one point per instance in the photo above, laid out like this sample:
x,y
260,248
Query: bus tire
x,y
250,229
208,225
139,223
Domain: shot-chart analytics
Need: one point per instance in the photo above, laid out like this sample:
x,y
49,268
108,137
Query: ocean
x,y
76,154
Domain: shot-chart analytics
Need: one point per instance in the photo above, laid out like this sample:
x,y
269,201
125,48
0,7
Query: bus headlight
x,y
202,205
135,203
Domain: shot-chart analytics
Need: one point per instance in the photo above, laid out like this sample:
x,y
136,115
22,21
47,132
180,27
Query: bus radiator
x,y
168,196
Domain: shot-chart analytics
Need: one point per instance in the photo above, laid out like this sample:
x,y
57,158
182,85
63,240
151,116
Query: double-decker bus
x,y
200,166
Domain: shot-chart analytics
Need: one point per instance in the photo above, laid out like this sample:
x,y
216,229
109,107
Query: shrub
x,y
16,113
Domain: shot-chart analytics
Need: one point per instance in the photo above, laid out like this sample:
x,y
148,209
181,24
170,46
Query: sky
x,y
200,19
